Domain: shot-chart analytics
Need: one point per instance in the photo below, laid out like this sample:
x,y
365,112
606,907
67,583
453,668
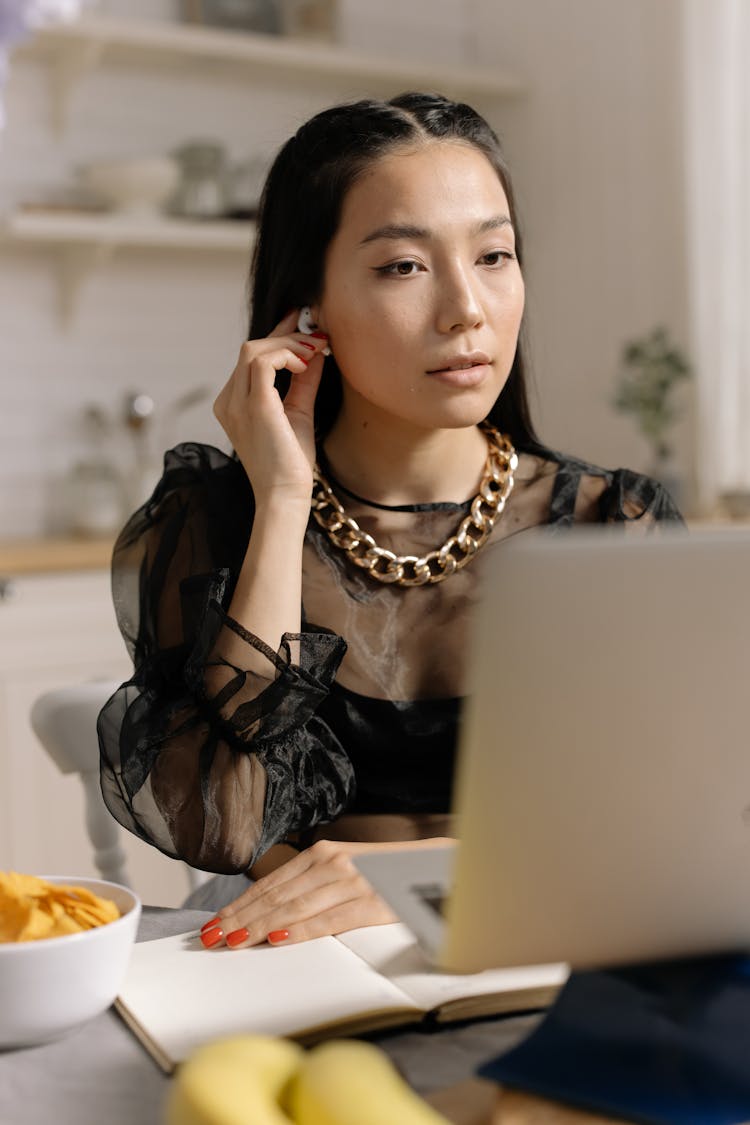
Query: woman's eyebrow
x,y
395,230
494,223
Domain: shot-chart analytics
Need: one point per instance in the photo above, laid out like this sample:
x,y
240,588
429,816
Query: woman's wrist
x,y
283,504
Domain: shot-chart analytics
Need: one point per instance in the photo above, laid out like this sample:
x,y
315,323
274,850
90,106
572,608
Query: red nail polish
x,y
212,938
305,344
237,937
211,923
320,335
276,936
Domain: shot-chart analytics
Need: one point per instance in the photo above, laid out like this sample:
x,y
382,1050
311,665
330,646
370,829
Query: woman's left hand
x,y
319,892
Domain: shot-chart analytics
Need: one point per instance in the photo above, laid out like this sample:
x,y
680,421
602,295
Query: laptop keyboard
x,y
431,895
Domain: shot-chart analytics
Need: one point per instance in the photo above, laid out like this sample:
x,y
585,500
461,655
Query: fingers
x,y
287,324
317,890
271,894
283,874
332,909
231,917
350,915
307,904
255,375
268,355
259,380
300,398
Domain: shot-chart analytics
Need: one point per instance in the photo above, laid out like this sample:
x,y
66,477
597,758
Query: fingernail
x,y
320,335
210,924
237,937
305,344
212,938
276,936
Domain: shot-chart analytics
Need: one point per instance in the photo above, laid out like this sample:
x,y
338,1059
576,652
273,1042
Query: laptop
x,y
602,791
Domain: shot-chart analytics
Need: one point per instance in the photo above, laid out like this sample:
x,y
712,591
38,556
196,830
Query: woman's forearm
x,y
268,596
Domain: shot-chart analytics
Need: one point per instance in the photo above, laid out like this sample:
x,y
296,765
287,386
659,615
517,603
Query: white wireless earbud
x,y
306,324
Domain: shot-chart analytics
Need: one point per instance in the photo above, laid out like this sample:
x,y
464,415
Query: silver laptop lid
x,y
603,785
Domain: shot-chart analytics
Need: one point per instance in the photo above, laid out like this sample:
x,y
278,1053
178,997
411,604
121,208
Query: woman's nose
x,y
459,305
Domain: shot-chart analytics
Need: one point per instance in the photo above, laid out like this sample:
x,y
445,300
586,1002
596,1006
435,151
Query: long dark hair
x,y
300,209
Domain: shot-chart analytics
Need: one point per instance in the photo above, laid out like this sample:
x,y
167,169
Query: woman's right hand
x,y
274,439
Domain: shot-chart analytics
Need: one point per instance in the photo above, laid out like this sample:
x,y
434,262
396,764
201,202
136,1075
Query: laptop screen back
x,y
603,782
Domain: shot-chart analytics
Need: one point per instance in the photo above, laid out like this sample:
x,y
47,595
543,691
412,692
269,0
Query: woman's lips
x,y
470,376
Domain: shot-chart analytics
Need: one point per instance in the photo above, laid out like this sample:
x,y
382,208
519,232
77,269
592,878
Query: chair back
x,y
64,721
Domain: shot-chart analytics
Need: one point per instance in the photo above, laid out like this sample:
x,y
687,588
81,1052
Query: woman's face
x,y
422,294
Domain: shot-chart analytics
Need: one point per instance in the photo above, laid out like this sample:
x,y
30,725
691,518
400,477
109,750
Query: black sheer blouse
x,y
214,763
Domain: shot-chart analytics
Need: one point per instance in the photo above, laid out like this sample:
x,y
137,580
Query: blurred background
x,y
113,341
123,285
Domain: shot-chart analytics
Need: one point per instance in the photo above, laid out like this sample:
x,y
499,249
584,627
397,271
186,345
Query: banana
x,y
233,1082
350,1082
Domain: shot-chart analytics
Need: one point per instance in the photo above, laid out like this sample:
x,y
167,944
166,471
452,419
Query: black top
x,y
213,762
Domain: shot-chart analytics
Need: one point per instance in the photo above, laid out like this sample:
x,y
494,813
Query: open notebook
x,y
177,995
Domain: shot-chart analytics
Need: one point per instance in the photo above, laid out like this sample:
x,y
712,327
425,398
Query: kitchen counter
x,y
48,554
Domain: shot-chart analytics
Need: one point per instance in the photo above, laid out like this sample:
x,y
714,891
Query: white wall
x,y
596,153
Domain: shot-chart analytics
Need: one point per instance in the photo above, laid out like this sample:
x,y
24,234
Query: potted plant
x,y
650,369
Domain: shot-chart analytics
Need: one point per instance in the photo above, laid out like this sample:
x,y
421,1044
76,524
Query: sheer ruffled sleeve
x,y
583,493
210,758
633,496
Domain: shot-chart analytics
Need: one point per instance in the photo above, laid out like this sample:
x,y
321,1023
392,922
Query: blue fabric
x,y
664,1044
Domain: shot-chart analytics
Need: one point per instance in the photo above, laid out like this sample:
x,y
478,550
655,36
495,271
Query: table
x,y
100,1074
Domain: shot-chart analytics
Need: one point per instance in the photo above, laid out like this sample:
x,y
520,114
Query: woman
x,y
298,673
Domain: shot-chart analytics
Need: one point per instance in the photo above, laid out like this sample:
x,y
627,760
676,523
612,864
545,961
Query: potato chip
x,y
31,908
14,915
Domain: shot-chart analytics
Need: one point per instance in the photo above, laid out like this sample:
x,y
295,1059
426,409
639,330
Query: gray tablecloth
x,y
100,1075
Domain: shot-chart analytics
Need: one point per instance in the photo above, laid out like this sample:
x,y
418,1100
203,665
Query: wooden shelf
x,y
71,228
72,50
82,242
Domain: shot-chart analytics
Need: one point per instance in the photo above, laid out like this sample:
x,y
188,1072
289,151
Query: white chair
x,y
64,721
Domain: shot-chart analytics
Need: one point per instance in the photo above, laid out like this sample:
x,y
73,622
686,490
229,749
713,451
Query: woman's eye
x,y
405,268
497,257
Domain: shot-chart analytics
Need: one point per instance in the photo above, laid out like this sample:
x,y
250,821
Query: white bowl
x,y
138,186
50,986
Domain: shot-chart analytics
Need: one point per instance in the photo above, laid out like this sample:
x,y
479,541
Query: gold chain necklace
x,y
413,570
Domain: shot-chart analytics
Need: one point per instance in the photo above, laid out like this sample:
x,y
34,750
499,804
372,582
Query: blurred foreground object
x,y
350,1082
272,1081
